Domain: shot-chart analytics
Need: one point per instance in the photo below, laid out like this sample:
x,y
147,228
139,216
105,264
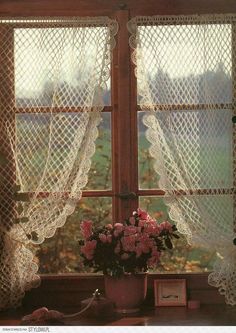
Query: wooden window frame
x,y
122,11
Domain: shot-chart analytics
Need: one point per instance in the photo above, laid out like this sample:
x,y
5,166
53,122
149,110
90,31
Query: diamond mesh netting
x,y
53,74
185,68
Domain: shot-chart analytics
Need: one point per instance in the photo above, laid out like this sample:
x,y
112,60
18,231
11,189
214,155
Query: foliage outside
x,y
60,254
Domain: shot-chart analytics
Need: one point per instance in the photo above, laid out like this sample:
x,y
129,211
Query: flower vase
x,y
127,292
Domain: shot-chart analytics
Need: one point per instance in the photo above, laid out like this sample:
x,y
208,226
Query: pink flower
x,y
129,230
139,229
142,214
103,238
151,222
145,243
128,243
109,238
142,223
109,226
86,228
119,227
88,249
135,244
165,226
151,227
132,220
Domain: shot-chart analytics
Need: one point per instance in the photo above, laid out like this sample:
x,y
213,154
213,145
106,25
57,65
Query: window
x,y
133,147
122,163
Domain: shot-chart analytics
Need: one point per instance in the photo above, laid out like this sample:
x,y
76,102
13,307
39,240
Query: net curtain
x,y
53,75
185,68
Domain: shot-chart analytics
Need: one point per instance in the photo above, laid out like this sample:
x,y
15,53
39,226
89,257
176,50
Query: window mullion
x,y
123,122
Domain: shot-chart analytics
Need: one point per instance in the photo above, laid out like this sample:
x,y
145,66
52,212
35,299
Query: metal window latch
x,y
127,195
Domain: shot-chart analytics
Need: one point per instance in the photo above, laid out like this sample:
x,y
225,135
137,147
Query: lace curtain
x,y
185,68
53,75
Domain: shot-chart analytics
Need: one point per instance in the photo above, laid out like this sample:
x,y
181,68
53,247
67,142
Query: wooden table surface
x,y
206,315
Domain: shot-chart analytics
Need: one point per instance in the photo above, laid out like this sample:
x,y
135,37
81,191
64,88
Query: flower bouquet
x,y
130,247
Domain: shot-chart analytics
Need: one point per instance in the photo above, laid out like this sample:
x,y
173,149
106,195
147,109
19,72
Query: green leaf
x,y
174,228
176,236
168,243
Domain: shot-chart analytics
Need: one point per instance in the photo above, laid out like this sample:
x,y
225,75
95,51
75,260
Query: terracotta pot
x,y
127,292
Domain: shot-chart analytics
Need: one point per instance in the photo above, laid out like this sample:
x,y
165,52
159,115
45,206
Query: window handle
x,y
127,195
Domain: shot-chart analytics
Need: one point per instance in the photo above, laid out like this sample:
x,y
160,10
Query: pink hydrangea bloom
x,y
165,226
109,238
129,230
142,223
86,228
142,214
152,228
145,243
143,247
132,220
151,222
135,238
128,243
88,249
139,229
103,238
118,228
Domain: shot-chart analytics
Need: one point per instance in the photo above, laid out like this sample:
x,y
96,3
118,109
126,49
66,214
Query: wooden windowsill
x,y
65,292
70,289
206,315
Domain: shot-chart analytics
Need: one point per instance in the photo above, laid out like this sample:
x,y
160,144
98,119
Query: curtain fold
x,y
185,68
54,74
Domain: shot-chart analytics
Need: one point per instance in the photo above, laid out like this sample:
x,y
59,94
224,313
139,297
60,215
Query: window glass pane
x,y
183,258
53,65
32,133
200,143
60,254
187,64
148,178
99,177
